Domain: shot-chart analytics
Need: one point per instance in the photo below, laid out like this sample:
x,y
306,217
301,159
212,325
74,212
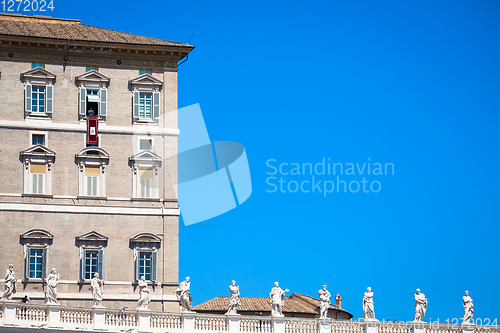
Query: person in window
x,y
91,112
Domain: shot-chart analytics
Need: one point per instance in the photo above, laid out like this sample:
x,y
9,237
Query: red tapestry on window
x,y
92,127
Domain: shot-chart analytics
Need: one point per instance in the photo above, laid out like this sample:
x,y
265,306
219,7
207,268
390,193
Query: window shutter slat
x,y
137,266
27,98
103,104
49,96
99,263
94,185
44,263
154,260
84,255
27,263
82,111
156,105
40,184
89,185
136,104
34,183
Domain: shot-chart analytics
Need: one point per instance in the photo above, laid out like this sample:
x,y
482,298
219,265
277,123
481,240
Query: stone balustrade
x,y
57,317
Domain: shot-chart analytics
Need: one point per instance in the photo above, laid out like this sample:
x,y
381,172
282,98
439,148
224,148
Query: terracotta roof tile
x,y
29,26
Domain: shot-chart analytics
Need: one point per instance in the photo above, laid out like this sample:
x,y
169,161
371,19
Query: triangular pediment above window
x,y
147,156
37,234
92,236
146,80
93,152
93,76
145,237
38,73
38,150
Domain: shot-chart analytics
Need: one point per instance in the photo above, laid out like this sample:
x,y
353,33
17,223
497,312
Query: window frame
x,y
146,160
33,240
98,160
37,155
36,64
38,77
91,242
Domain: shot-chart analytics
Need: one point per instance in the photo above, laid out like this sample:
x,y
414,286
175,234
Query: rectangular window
x,y
38,139
92,179
38,99
90,266
145,265
143,71
145,106
37,64
37,173
91,68
35,263
145,144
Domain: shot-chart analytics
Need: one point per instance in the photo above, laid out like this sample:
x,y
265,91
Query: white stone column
x,y
278,324
371,326
325,325
142,317
54,315
98,318
233,323
9,312
188,321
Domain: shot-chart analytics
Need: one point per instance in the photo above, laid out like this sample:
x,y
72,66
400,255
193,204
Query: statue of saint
x,y
468,308
368,308
144,298
10,283
183,295
420,306
277,298
97,286
324,302
51,291
234,302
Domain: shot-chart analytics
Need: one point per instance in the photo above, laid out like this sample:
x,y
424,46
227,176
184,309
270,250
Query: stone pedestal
x,y
54,315
278,324
143,317
188,321
418,327
371,326
468,328
9,312
324,325
98,317
233,323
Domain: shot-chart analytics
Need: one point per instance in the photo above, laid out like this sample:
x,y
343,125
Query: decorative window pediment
x,y
92,236
145,180
146,156
39,74
92,163
145,238
145,245
37,234
145,80
38,151
93,77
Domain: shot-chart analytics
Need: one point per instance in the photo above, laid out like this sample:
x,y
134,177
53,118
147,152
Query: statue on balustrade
x,y
324,302
368,307
144,297
468,308
51,288
10,283
183,295
277,298
234,302
420,306
97,286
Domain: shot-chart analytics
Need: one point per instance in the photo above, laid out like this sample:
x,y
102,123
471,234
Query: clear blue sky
x,y
413,83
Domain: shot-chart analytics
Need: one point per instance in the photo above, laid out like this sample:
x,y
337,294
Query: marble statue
x,y
368,308
183,295
10,283
51,291
234,302
97,286
144,297
324,302
420,306
277,298
468,308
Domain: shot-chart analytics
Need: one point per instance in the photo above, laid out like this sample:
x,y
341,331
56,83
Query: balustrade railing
x,y
76,316
31,312
301,326
120,318
347,327
163,320
210,323
259,324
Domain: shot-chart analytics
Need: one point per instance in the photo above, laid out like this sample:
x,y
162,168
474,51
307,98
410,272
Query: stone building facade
x,y
108,208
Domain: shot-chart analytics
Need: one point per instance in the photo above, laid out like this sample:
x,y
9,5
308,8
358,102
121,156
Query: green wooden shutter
x,y
27,263
83,102
103,104
156,105
49,97
44,263
154,266
27,98
100,258
137,277
82,273
136,104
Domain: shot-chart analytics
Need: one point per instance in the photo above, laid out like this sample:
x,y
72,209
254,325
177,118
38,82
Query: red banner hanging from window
x,y
92,128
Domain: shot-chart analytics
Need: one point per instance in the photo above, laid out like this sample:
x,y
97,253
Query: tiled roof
x,y
45,27
296,303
